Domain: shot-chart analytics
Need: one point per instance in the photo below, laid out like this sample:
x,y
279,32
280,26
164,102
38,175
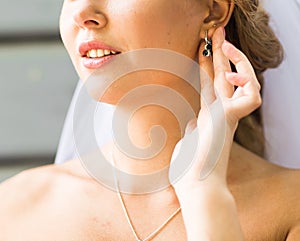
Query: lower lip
x,y
96,63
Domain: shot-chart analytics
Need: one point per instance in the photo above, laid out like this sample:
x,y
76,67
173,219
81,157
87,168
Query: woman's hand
x,y
208,207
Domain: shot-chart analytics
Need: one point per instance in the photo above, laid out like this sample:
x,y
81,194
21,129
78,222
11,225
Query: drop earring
x,y
208,46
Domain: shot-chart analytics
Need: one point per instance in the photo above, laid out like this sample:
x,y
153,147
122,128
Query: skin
x,y
144,20
64,203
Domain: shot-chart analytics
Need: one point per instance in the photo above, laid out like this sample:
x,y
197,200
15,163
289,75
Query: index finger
x,y
241,62
221,64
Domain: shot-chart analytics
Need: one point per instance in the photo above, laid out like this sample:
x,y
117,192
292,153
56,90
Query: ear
x,y
220,12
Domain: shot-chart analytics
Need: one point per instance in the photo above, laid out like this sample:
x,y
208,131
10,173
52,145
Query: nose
x,y
89,17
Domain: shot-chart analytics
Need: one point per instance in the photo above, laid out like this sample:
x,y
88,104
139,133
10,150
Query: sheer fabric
x,y
281,98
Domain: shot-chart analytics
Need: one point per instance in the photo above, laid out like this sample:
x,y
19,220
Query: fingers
x,y
247,97
240,61
221,65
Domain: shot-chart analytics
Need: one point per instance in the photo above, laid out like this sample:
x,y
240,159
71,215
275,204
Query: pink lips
x,y
94,63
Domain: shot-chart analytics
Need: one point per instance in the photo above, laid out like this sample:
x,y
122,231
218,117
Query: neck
x,y
147,144
145,147
148,123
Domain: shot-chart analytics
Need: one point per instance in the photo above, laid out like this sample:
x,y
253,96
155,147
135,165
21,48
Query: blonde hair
x,y
249,30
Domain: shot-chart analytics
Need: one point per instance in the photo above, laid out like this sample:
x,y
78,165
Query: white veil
x,y
281,96
67,148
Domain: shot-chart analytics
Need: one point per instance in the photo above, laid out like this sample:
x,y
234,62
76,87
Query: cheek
x,y
161,24
63,23
67,28
68,35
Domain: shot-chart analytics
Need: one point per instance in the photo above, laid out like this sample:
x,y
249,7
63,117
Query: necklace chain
x,y
152,234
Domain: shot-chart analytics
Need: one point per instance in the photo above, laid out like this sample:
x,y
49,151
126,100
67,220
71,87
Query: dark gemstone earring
x,y
208,46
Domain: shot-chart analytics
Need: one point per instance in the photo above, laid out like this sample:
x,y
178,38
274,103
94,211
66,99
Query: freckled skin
x,y
63,202
152,24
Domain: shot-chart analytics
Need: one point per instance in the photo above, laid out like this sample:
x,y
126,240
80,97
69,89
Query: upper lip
x,y
89,45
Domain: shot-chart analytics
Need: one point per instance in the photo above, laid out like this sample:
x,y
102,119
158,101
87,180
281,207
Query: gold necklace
x,y
152,234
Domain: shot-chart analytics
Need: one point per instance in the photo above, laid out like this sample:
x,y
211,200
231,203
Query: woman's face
x,y
91,28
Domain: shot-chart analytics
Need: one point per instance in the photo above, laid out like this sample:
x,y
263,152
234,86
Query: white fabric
x,y
281,98
67,149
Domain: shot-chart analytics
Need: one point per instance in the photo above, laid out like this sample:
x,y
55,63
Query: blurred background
x,y
37,81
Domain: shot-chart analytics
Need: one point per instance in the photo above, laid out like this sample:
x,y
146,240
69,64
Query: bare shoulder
x,y
26,185
255,172
29,189
48,203
282,200
271,190
290,193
